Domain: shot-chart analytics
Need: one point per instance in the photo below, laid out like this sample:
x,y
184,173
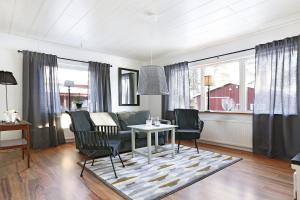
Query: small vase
x,y
78,105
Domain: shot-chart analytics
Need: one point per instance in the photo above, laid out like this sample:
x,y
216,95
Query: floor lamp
x,y
7,78
69,84
208,81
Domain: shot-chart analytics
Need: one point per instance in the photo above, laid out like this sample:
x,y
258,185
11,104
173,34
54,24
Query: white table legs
x,y
149,146
156,141
173,142
148,152
132,142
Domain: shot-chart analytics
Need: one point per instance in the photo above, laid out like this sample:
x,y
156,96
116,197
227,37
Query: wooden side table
x,y
22,143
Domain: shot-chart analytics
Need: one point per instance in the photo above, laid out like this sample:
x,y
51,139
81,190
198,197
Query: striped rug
x,y
165,175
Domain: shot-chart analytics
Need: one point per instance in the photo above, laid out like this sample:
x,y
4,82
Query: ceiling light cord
x,y
151,56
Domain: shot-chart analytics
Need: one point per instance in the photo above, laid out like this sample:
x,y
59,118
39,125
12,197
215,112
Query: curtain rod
x,y
62,58
225,54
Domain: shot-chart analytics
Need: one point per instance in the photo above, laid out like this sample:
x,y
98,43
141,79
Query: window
x,y
233,88
79,92
224,94
195,88
249,82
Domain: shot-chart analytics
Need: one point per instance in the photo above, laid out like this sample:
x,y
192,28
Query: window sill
x,y
224,112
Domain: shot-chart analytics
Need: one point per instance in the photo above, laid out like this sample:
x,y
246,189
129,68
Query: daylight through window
x,y
233,88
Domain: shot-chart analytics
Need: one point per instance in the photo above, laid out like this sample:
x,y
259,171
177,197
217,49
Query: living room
x,y
149,99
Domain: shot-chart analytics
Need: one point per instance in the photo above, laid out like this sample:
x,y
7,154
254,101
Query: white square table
x,y
158,150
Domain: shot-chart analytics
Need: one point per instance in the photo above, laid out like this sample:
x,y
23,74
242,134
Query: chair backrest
x,y
81,121
187,118
132,118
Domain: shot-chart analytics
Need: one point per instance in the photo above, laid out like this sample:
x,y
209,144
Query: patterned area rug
x,y
164,176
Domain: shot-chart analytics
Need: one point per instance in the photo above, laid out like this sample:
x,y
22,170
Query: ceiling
x,y
134,28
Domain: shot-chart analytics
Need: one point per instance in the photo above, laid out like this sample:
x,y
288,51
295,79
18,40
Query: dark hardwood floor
x,y
54,175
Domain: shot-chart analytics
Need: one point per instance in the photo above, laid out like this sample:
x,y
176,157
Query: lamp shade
x,y
68,83
152,81
7,78
208,80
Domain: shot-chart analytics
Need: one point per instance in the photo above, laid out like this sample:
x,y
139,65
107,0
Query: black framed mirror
x,y
128,82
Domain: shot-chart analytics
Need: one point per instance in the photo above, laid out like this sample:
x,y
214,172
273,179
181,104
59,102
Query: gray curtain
x,y
99,87
177,76
276,106
41,102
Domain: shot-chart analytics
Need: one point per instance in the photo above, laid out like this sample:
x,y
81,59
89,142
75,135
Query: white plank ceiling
x,y
128,27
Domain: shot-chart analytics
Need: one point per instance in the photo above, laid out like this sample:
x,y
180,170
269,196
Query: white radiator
x,y
233,131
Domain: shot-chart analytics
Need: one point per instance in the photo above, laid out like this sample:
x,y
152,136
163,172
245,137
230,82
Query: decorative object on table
x,y
7,78
164,176
149,122
78,102
94,142
11,116
69,84
156,121
208,81
152,81
128,82
189,125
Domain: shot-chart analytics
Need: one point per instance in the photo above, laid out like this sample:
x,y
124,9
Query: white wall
x,y
221,128
10,60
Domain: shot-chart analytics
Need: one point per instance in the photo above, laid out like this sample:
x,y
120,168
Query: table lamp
x,y
7,78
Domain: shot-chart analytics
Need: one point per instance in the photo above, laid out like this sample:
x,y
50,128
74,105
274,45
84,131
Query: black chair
x,y
94,141
189,125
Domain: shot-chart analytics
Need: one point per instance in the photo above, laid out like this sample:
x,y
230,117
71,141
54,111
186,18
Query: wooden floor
x,y
54,175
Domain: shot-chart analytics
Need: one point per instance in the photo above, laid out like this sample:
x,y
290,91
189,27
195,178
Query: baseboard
x,y
226,145
72,140
69,140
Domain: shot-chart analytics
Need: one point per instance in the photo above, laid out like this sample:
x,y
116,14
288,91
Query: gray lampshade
x,y
68,83
7,78
152,81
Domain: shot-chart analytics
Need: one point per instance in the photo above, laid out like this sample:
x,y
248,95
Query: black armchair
x,y
189,125
94,141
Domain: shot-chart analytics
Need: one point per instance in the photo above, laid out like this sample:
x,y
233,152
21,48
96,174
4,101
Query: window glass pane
x,y
249,82
224,94
195,88
79,92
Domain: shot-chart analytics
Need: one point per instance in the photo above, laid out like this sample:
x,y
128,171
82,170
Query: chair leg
x,y
196,145
178,146
83,168
93,162
112,163
121,160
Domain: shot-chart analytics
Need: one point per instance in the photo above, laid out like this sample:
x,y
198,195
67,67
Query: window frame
x,y
242,84
73,65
